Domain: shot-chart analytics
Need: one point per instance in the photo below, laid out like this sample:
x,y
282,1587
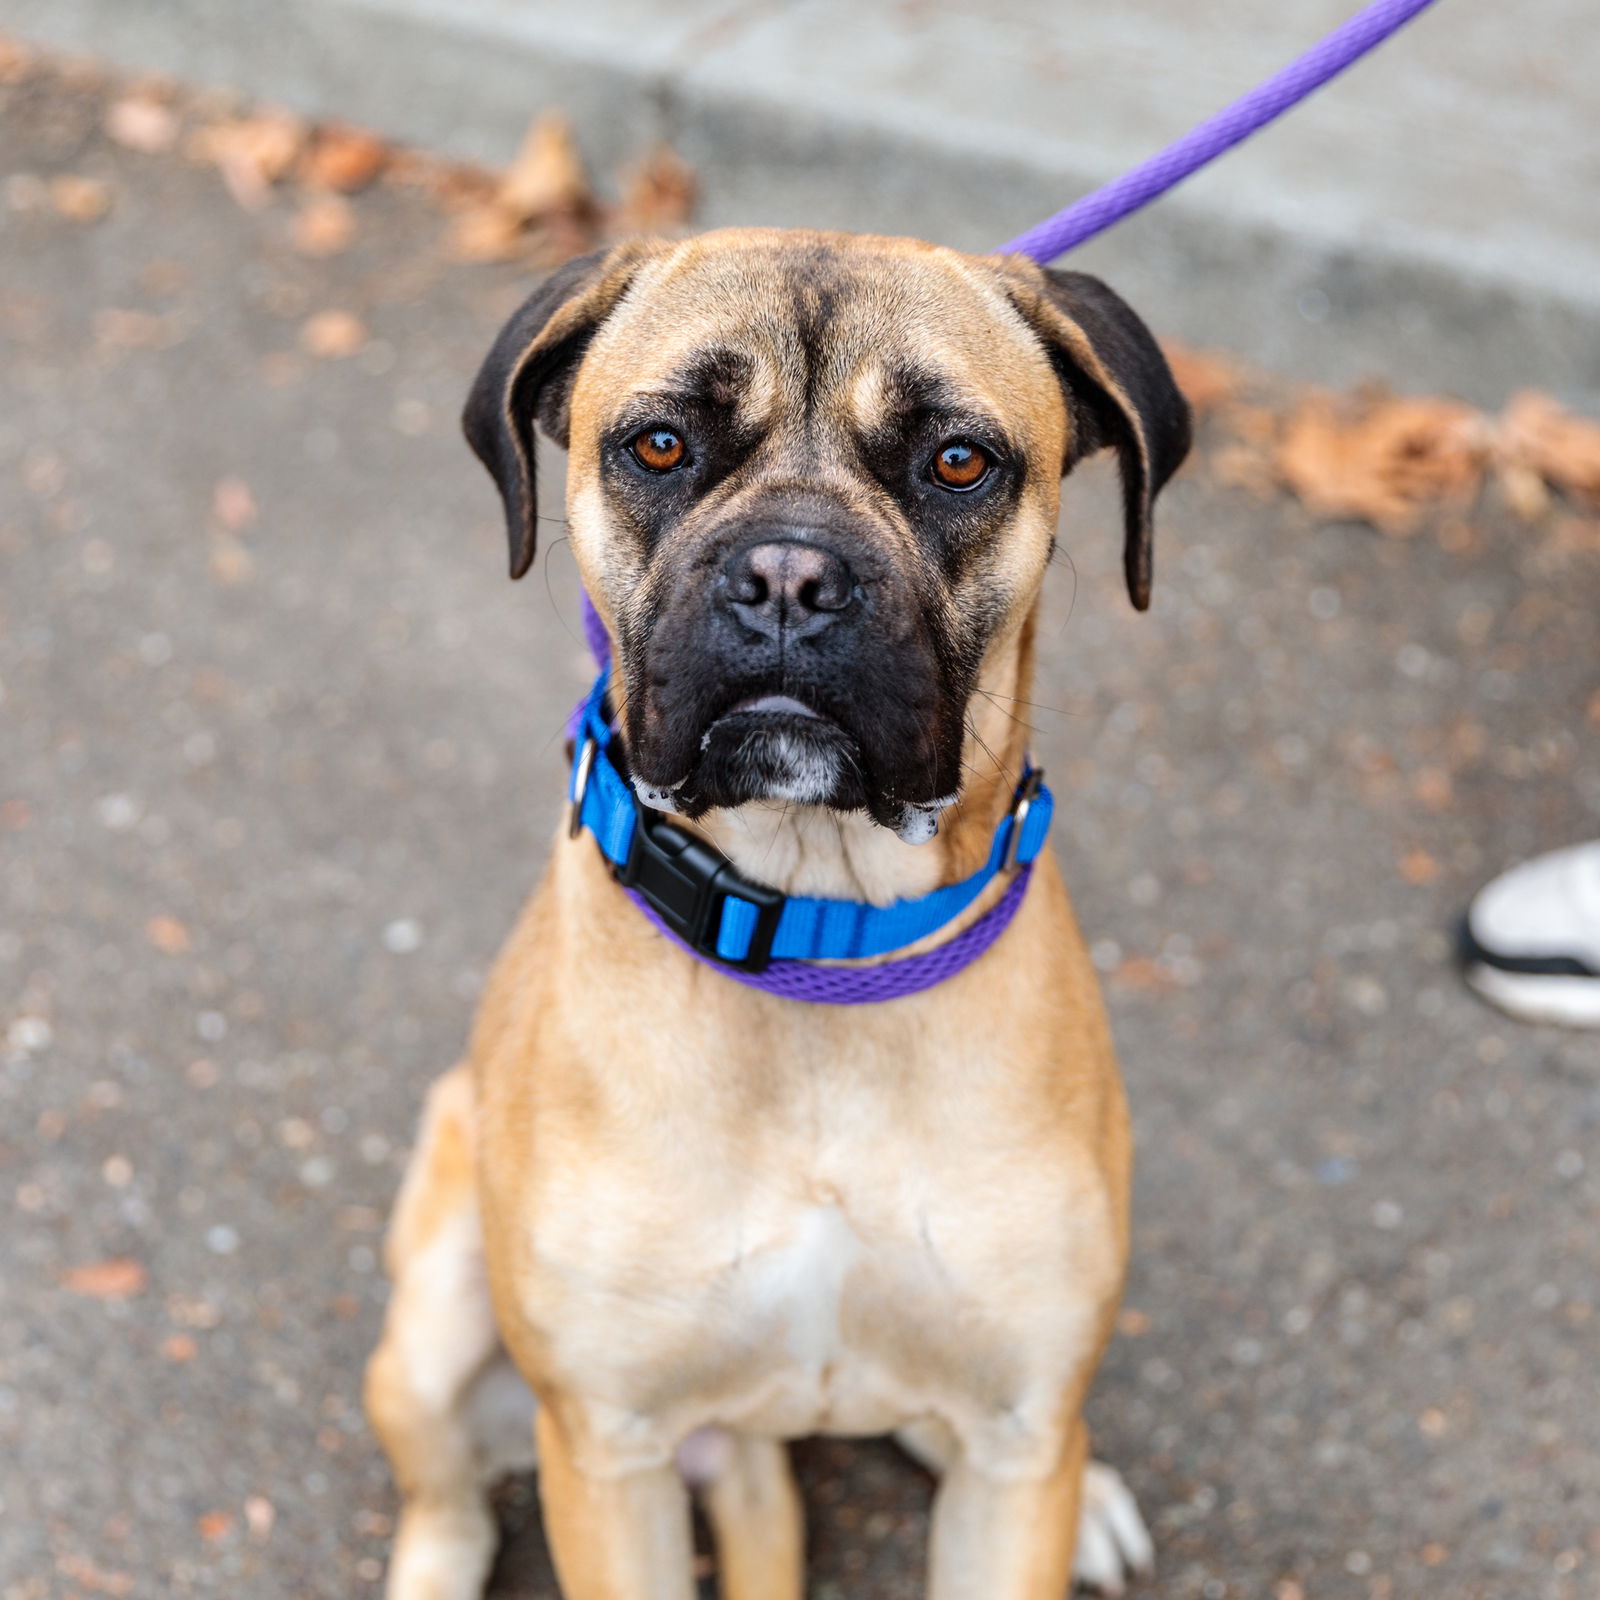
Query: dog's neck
x,y
810,850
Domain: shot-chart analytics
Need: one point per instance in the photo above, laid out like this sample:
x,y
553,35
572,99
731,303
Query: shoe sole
x,y
1568,1002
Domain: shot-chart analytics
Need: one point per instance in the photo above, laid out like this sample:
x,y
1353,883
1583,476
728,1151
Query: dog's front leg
x,y
617,1531
754,1510
1007,1535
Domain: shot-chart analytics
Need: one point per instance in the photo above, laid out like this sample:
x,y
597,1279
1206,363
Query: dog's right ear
x,y
528,375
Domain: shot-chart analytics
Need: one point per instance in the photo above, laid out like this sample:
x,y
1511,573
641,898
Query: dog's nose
x,y
787,586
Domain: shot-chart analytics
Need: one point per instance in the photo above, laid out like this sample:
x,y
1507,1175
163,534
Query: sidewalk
x,y
1431,217
282,749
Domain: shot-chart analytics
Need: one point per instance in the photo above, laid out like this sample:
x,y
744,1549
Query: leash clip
x,y
688,884
580,787
1027,793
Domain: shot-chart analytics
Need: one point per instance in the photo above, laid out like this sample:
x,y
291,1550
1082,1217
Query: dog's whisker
x,y
999,765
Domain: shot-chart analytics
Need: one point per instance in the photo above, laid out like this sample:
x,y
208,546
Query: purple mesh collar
x,y
853,986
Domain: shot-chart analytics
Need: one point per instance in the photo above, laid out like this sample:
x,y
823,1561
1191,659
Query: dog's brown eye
x,y
659,449
961,464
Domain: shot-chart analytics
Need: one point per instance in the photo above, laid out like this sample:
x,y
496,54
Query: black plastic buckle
x,y
686,881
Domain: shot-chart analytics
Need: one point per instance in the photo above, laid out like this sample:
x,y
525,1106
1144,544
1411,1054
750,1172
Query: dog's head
x,y
813,481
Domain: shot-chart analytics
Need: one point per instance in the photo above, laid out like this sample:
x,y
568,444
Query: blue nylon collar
x,y
808,929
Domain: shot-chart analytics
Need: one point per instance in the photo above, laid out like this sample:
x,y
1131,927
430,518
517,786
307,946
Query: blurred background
x,y
280,748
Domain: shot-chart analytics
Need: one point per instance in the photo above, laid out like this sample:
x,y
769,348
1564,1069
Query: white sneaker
x,y
1531,939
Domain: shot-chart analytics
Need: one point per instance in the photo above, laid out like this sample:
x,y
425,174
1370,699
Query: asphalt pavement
x,y
280,748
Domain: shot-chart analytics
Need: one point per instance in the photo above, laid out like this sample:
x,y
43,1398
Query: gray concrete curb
x,y
1430,218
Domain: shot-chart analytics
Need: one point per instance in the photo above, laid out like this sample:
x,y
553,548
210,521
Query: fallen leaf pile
x,y
1394,460
543,190
542,206
541,210
1383,463
253,153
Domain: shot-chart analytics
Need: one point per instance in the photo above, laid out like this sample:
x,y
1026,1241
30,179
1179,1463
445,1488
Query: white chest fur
x,y
794,1285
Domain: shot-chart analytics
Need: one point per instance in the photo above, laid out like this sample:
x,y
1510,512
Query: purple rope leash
x,y
1093,214
1113,201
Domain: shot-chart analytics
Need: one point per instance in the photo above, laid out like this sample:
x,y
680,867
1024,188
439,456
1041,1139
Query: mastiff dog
x,y
680,1205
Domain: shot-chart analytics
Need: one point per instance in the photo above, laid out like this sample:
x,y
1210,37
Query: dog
x,y
813,488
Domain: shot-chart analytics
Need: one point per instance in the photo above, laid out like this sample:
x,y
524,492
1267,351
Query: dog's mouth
x,y
772,705
778,747
775,747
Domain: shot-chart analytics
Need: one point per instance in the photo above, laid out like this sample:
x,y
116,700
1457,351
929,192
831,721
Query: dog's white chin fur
x,y
919,823
807,775
657,796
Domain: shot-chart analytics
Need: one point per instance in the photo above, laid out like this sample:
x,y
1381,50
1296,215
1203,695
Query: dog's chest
x,y
814,1310
794,1284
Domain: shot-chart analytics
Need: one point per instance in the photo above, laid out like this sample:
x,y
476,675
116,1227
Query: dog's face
x,y
813,482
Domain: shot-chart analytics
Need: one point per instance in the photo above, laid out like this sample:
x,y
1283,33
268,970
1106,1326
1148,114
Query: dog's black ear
x,y
1119,391
528,375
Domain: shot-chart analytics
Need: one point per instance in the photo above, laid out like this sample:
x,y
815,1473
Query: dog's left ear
x,y
1119,391
528,375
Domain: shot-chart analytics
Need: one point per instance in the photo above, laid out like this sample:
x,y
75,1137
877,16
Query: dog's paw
x,y
1113,1541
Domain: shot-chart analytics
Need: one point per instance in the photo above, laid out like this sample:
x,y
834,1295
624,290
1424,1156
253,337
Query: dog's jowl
x,y
813,488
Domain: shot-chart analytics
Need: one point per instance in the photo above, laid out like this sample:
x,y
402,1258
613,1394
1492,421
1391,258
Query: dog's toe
x,y
1112,1538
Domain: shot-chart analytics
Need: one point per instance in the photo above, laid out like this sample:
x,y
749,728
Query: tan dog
x,y
813,489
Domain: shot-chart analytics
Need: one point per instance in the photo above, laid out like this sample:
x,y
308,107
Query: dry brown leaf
x,y
1536,433
323,226
233,504
179,1348
343,158
187,1312
17,60
132,330
82,1570
1242,466
1386,462
658,195
333,335
80,199
483,233
230,562
143,123
120,1278
252,153
167,934
559,238
547,175
1417,867
1207,377
452,186
1523,490
1433,789
1142,972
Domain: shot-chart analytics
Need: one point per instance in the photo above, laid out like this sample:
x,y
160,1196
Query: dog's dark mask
x,y
813,480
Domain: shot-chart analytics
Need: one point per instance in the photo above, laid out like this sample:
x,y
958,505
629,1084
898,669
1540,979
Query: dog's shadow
x,y
866,1527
